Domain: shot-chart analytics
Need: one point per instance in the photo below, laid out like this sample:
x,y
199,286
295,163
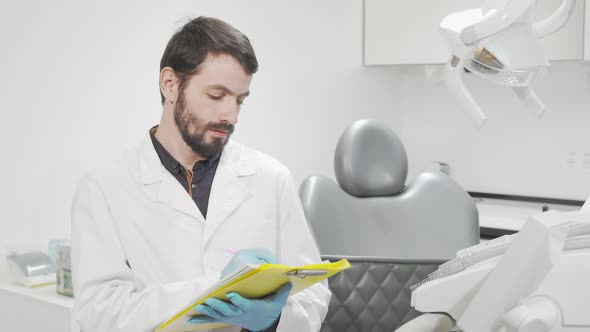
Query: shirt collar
x,y
171,164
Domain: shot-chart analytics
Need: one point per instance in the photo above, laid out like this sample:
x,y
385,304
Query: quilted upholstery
x,y
373,295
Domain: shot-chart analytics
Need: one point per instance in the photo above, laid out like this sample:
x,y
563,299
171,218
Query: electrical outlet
x,y
586,163
572,159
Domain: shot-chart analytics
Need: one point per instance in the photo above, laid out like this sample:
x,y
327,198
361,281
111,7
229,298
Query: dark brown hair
x,y
201,37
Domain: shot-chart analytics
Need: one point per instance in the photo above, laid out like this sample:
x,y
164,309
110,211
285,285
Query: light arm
x,y
530,99
556,21
456,85
496,20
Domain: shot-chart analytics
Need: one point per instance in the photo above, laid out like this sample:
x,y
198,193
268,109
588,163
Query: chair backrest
x,y
372,212
373,294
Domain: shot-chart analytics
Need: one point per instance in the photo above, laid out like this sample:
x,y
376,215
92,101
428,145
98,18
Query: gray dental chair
x,y
394,233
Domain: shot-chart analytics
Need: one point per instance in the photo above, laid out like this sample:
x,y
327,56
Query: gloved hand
x,y
248,256
254,315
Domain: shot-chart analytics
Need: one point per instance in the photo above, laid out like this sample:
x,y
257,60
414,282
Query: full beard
x,y
196,139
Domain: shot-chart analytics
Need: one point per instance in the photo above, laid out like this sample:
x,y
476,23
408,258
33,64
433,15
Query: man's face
x,y
207,109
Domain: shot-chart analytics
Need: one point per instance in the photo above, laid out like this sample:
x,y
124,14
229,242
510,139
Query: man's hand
x,y
248,256
254,315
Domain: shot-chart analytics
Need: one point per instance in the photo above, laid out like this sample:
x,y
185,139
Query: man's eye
x,y
215,97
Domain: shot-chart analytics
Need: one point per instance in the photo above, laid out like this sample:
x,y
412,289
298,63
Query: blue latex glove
x,y
254,315
248,256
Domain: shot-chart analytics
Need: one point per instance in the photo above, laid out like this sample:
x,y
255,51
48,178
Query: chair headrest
x,y
370,160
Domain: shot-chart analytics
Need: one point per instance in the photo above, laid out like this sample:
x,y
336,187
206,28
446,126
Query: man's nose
x,y
230,112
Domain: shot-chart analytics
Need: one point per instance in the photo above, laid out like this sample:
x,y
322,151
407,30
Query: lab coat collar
x,y
150,166
227,192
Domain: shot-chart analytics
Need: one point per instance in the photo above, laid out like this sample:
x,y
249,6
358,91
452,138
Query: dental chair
x,y
393,233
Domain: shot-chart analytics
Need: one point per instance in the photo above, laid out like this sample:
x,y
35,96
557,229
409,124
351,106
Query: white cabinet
x,y
35,309
407,32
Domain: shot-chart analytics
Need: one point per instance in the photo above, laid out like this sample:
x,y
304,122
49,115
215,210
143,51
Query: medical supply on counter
x,y
52,248
30,268
64,269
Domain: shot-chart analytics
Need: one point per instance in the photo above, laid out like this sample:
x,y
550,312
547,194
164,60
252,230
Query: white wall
x,y
587,33
513,153
80,85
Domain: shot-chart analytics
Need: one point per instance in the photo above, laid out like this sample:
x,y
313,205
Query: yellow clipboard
x,y
254,282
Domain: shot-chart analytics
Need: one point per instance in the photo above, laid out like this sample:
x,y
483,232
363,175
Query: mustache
x,y
227,127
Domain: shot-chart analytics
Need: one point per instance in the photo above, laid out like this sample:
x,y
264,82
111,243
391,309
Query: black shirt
x,y
197,181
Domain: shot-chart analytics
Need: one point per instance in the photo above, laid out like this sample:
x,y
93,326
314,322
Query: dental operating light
x,y
501,43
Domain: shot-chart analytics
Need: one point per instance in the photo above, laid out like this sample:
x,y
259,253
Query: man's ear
x,y
169,85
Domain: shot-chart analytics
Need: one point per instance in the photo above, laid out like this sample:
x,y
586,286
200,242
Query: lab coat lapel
x,y
172,193
228,192
168,190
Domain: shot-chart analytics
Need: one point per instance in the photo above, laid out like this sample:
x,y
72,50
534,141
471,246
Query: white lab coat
x,y
135,211
586,206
